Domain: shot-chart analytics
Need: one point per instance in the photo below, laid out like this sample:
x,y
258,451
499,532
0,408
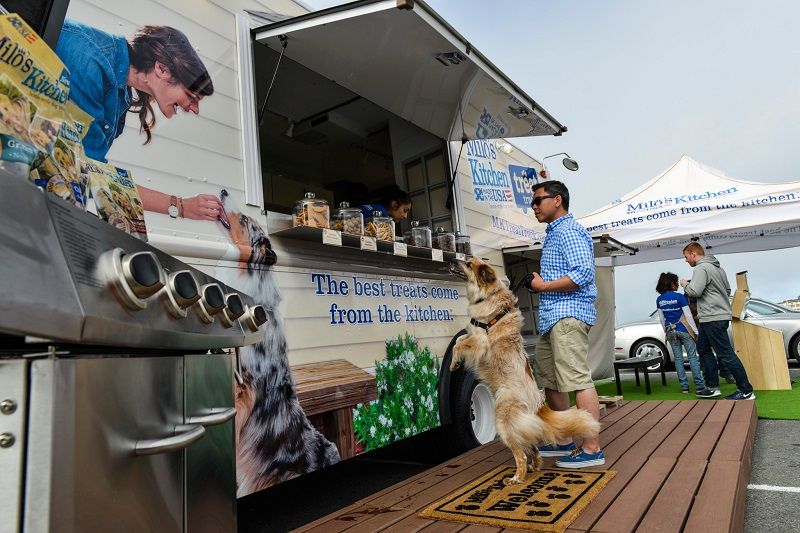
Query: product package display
x,y
444,240
116,198
381,227
311,211
348,219
40,131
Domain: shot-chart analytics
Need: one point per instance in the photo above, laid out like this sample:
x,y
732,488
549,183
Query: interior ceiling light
x,y
518,112
450,58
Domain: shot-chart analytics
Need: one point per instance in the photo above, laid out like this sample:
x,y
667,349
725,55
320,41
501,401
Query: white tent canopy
x,y
692,202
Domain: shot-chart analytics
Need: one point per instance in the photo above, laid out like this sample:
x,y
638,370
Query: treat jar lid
x,y
344,207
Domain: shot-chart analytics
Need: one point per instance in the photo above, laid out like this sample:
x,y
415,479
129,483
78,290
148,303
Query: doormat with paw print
x,y
549,499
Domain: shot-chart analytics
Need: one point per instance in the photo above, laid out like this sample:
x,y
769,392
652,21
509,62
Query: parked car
x,y
646,337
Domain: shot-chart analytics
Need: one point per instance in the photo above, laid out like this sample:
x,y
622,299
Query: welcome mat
x,y
548,500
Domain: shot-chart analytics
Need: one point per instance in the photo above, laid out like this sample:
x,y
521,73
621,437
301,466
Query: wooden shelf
x,y
353,242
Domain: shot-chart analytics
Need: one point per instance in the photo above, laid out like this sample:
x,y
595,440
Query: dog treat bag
x,y
115,197
40,132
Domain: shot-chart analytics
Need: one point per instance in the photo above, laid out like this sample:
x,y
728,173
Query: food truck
x,y
312,115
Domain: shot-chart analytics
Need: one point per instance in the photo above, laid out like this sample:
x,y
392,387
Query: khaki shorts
x,y
562,357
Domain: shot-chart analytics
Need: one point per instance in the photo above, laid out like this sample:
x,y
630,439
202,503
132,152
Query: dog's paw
x,y
513,480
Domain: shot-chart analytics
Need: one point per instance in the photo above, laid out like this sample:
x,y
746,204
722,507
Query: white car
x,y
646,337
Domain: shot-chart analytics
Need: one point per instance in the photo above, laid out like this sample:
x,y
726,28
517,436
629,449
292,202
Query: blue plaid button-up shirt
x,y
567,251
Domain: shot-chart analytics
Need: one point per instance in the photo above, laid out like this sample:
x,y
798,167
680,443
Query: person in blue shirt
x,y
680,329
111,76
566,313
394,202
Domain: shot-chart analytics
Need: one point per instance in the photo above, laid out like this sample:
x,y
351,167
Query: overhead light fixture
x,y
450,58
518,112
504,147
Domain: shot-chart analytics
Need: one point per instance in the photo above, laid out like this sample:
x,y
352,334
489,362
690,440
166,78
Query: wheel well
x,y
445,411
657,342
795,340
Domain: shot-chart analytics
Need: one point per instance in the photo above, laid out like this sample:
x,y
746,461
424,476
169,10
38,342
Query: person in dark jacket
x,y
711,288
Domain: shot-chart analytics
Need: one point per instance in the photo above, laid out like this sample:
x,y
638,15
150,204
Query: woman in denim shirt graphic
x,y
111,76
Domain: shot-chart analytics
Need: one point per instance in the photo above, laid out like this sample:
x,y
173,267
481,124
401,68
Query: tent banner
x,y
691,202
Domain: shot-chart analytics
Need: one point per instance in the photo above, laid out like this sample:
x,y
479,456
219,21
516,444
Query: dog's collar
x,y
491,323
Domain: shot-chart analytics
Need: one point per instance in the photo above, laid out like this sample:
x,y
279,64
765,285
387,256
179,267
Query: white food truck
x,y
343,103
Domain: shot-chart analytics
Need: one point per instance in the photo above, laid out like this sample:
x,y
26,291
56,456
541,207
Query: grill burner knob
x,y
142,273
181,292
254,317
212,301
234,308
134,277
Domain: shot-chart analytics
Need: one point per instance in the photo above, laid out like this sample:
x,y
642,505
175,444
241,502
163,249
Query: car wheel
x,y
649,347
794,347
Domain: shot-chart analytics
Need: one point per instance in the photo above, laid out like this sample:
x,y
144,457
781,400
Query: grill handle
x,y
214,418
188,436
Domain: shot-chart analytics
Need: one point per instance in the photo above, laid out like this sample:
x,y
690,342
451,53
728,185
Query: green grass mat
x,y
772,404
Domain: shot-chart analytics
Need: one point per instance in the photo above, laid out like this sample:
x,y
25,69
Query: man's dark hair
x,y
667,281
554,188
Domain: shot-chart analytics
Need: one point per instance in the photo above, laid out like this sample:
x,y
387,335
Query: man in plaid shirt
x,y
566,313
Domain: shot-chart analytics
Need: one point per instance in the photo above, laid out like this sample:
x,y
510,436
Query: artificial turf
x,y
772,404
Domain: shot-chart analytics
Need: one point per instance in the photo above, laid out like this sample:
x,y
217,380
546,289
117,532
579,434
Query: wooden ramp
x,y
681,466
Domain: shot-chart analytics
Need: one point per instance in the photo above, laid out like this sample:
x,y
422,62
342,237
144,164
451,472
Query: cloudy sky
x,y
641,82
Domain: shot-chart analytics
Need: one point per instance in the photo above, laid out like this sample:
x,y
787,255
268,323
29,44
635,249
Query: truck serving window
x,y
318,136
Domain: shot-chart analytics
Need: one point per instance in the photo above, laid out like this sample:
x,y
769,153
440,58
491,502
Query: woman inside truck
x,y
394,202
111,76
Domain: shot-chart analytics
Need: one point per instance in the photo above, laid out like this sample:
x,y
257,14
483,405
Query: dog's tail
x,y
562,425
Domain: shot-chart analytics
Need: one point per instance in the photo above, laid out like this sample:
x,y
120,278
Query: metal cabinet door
x,y
13,394
211,462
105,447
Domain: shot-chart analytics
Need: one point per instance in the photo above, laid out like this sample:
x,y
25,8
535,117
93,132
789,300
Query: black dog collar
x,y
491,323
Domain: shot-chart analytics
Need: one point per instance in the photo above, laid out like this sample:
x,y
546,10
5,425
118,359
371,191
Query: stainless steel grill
x,y
116,377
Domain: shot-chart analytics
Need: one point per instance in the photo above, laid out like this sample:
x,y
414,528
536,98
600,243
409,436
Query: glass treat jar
x,y
421,235
311,212
380,226
348,220
408,238
462,244
444,240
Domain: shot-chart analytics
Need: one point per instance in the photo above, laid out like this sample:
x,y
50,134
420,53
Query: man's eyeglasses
x,y
537,200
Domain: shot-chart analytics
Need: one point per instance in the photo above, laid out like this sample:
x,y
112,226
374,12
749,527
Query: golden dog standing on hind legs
x,y
492,349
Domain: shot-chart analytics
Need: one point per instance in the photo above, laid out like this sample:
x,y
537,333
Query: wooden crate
x,y
328,391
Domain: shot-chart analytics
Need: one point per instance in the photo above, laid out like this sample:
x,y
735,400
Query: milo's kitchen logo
x,y
677,200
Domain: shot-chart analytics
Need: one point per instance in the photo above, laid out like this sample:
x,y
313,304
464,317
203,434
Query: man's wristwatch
x,y
173,210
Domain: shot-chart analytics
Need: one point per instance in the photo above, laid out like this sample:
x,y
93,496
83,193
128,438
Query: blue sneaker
x,y
581,459
556,450
739,395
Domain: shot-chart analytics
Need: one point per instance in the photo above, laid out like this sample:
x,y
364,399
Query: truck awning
x,y
604,246
412,63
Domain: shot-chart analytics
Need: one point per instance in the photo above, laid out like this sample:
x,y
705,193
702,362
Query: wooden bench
x,y
328,392
640,363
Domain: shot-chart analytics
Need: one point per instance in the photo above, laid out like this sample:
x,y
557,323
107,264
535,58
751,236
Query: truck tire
x,y
472,405
466,407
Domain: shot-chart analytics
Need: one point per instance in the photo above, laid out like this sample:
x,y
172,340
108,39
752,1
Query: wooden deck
x,y
681,466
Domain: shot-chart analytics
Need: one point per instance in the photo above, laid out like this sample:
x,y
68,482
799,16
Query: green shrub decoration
x,y
407,401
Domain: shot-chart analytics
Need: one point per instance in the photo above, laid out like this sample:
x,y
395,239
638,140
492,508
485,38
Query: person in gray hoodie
x,y
710,287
